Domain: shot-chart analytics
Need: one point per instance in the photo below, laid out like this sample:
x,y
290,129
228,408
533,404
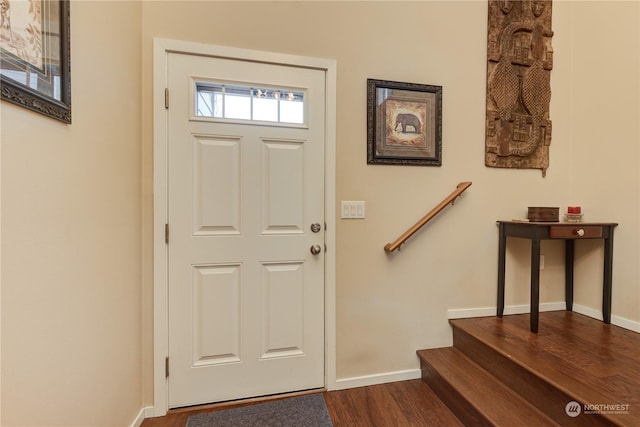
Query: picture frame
x,y
404,123
35,65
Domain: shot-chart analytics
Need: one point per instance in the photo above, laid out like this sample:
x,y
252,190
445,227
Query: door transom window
x,y
262,104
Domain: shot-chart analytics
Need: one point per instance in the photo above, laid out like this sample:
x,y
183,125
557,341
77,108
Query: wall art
x,y
519,63
404,123
35,70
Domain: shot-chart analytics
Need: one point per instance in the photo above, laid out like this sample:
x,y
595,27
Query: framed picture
x,y
404,123
34,56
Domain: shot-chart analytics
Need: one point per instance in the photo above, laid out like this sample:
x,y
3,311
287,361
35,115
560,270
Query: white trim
x,y
622,322
375,379
161,48
146,412
631,325
160,217
588,311
465,313
331,73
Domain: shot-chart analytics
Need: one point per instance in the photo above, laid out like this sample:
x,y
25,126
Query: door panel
x,y
283,192
216,332
282,303
217,177
246,296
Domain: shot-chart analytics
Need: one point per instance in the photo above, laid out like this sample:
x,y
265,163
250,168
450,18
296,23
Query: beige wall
x,y
388,306
605,153
399,302
71,336
77,282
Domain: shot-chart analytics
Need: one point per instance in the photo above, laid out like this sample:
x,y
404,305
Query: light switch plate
x,y
353,210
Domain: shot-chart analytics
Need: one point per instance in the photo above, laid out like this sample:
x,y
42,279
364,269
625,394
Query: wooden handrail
x,y
451,198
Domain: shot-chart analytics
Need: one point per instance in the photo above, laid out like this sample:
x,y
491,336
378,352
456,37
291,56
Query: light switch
x,y
353,209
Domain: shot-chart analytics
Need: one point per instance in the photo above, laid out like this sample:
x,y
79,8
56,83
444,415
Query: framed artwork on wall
x,y
404,123
35,68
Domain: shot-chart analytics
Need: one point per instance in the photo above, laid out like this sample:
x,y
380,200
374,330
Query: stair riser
x,y
460,407
534,389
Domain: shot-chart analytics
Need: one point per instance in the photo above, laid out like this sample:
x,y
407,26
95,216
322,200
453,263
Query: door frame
x,y
161,49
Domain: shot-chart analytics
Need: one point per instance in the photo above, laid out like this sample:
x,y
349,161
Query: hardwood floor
x,y
406,403
499,373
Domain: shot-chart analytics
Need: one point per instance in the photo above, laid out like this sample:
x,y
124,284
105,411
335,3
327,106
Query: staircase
x,y
499,374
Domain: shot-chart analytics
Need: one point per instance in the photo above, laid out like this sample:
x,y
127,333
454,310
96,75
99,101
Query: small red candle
x,y
574,209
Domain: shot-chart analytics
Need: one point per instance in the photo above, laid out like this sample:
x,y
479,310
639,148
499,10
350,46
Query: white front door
x,y
246,293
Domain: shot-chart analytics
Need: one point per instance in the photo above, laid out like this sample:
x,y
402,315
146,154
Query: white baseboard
x,y
341,384
626,323
631,325
588,311
146,412
387,377
465,313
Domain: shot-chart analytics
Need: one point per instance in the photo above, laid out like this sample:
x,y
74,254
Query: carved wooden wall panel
x,y
519,63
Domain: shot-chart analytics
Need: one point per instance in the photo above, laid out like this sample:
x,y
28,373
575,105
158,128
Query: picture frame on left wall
x,y
35,65
404,123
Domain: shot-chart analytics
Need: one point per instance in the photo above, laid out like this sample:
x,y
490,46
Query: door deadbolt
x,y
315,227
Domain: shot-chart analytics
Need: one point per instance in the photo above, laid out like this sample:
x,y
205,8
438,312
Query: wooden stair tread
x,y
573,358
497,403
570,352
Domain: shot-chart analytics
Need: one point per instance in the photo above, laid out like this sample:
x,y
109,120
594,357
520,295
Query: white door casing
x,y
252,250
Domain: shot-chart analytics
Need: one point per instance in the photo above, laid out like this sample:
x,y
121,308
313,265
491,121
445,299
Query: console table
x,y
569,232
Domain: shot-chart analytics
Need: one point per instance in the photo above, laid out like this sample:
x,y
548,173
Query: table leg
x,y
535,283
502,247
607,280
569,256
